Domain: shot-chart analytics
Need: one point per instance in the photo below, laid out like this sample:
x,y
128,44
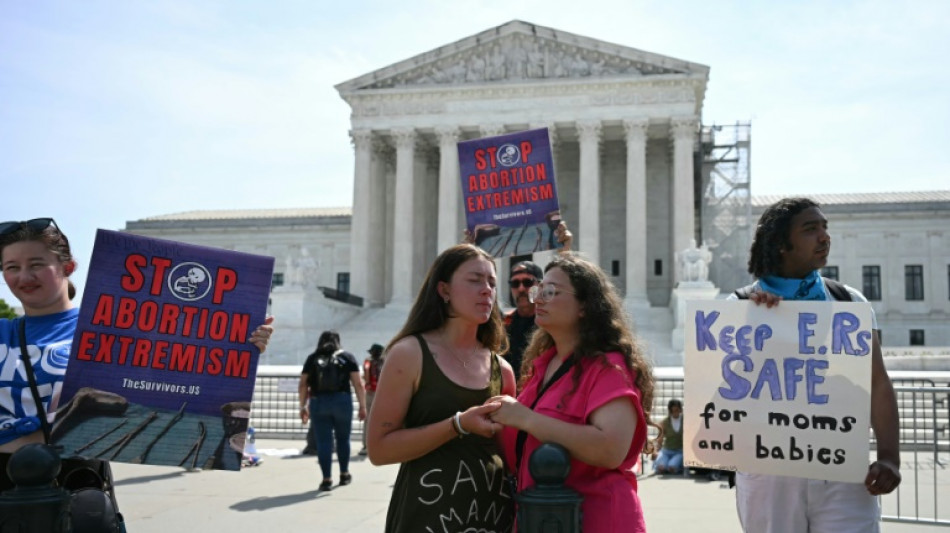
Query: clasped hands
x,y
489,418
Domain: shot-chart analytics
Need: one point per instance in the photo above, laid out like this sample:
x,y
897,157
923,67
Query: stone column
x,y
378,229
545,257
684,225
493,130
450,194
403,241
589,198
635,131
360,221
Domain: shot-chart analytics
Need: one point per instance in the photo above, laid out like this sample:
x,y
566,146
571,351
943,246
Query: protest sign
x,y
783,391
509,192
160,370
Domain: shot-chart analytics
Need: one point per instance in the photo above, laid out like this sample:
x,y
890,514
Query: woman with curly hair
x,y
587,387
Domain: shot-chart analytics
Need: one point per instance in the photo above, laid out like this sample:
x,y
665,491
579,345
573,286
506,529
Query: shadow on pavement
x,y
149,479
265,503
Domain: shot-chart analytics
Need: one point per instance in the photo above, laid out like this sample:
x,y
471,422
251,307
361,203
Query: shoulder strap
x,y
838,291
28,366
743,292
496,380
522,437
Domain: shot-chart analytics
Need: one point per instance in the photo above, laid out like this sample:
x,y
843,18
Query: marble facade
x,y
623,124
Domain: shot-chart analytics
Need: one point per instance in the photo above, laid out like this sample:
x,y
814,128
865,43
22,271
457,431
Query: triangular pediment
x,y
521,52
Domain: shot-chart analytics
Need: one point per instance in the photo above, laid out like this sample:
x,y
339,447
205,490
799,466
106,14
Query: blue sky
x,y
113,111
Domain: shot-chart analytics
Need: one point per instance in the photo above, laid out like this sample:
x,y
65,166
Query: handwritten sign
x,y
160,370
783,391
509,192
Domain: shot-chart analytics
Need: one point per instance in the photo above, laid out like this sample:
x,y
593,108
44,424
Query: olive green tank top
x,y
459,486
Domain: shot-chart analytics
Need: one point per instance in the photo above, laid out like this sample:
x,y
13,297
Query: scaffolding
x,y
725,202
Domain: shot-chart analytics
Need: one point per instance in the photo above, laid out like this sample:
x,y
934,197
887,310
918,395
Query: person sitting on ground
x,y
670,457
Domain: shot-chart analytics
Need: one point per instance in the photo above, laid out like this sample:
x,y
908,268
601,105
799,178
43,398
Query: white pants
x,y
779,504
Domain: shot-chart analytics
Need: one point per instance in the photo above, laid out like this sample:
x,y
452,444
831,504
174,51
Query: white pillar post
x,y
589,201
378,215
684,225
360,220
403,242
450,193
635,131
545,257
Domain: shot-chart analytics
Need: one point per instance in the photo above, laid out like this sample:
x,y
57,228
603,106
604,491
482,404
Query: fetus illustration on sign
x,y
189,281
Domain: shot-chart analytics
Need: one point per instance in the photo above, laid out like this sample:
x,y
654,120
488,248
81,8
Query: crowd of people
x,y
464,388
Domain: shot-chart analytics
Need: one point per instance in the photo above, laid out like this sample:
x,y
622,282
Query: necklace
x,y
450,348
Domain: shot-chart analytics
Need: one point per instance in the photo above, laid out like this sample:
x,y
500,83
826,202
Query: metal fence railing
x,y
925,452
923,403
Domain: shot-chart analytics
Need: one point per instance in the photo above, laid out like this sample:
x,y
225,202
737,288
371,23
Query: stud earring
x,y
446,299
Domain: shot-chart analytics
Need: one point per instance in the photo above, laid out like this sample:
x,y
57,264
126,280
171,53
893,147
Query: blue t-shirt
x,y
49,339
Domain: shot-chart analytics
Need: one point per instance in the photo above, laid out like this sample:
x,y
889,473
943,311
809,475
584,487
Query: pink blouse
x,y
610,495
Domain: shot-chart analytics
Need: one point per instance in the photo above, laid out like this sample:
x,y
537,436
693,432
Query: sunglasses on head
x,y
35,224
526,283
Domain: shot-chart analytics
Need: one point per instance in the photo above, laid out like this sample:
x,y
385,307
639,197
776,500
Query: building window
x,y
914,282
916,337
277,280
615,268
658,267
830,272
871,282
343,282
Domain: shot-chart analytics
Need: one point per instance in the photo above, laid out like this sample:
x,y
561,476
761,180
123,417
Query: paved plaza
x,y
280,496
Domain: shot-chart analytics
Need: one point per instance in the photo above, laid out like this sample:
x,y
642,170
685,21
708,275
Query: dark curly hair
x,y
430,312
603,328
771,235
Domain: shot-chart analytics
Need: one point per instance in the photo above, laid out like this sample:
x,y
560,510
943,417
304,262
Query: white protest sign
x,y
783,391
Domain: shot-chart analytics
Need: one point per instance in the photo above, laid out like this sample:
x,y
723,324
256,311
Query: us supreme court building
x,y
641,180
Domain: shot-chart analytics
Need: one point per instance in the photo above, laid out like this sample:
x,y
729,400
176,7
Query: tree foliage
x,y
5,310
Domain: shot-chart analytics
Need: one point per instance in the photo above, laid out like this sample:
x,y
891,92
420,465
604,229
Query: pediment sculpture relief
x,y
518,58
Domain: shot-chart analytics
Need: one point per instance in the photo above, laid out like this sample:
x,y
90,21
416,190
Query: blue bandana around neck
x,y
810,288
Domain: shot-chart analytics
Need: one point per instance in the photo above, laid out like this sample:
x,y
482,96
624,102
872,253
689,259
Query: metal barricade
x,y
925,451
924,408
275,412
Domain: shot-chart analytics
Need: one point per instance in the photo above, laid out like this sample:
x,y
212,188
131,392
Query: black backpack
x,y
330,374
838,291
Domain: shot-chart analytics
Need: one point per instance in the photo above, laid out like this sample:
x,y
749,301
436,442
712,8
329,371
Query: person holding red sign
x,y
37,261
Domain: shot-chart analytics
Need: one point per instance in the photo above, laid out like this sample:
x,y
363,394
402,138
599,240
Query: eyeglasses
x,y
34,224
545,292
524,282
